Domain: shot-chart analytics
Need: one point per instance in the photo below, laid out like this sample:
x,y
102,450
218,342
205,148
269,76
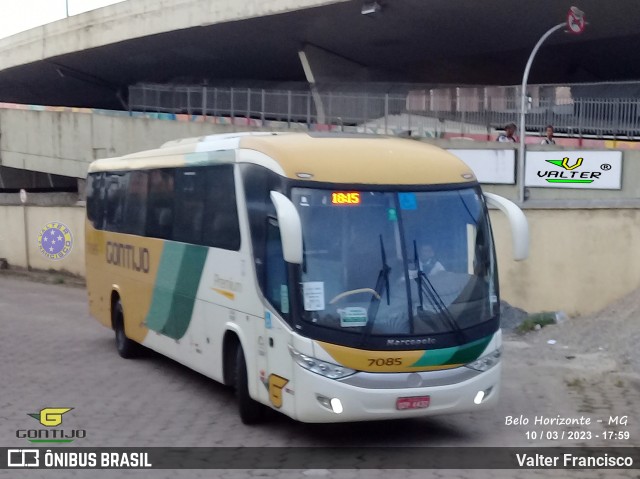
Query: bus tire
x,y
251,411
126,347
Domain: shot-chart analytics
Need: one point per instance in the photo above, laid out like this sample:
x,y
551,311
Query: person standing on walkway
x,y
507,136
549,139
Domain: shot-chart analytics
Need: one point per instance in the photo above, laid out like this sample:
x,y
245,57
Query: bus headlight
x,y
323,368
486,362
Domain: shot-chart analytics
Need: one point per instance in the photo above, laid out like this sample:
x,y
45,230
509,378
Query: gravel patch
x,y
511,317
613,332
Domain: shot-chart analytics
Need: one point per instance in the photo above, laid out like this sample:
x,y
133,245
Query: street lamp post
x,y
575,23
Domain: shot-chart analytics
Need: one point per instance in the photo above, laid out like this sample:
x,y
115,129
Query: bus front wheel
x,y
251,411
126,347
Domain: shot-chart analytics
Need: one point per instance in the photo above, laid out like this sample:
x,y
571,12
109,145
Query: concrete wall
x,y
25,252
64,143
12,235
581,259
576,265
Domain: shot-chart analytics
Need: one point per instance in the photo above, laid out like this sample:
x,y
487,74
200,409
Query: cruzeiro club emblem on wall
x,y
55,241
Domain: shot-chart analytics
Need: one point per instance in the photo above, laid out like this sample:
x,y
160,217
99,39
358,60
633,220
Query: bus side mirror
x,y
290,228
517,221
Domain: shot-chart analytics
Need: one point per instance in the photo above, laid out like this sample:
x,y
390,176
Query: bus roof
x,y
362,159
324,157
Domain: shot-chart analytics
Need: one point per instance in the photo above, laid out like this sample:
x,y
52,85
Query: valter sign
x,y
601,170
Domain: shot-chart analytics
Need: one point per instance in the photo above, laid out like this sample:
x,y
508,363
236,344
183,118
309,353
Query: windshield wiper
x,y
384,272
381,283
425,286
416,261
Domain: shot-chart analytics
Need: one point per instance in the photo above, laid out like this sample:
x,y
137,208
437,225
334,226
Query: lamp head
x,y
370,7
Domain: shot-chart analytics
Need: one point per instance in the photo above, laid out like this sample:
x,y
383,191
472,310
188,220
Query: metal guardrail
x,y
280,105
433,112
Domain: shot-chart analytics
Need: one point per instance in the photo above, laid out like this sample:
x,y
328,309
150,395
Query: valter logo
x,y
569,175
51,418
579,169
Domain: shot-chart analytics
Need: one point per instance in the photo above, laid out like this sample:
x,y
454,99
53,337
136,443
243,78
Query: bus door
x,y
278,366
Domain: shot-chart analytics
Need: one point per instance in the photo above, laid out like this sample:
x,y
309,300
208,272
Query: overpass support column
x,y
321,66
317,99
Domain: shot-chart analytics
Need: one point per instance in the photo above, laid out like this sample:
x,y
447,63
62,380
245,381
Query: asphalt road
x,y
53,354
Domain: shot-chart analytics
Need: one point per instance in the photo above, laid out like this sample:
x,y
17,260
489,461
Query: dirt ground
x,y
595,362
607,340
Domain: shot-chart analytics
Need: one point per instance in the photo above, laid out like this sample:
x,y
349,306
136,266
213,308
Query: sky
x,y
19,15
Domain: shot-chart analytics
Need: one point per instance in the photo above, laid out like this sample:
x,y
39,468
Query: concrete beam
x,y
321,66
327,67
128,20
317,99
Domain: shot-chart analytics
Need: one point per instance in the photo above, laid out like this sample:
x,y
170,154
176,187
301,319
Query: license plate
x,y
415,402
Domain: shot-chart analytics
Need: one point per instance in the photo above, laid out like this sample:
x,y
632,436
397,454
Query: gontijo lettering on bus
x,y
128,256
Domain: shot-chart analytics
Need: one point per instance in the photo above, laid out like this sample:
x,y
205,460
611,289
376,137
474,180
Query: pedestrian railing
x,y
428,112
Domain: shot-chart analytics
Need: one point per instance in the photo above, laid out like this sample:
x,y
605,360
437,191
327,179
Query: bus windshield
x,y
380,263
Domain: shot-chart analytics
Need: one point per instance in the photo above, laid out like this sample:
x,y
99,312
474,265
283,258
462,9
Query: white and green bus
x,y
332,278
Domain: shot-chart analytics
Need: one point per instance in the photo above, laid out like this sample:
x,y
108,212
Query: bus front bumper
x,y
319,399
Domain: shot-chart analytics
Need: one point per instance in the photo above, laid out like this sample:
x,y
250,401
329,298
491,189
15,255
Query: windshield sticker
x,y
392,214
408,201
353,317
304,201
313,292
284,298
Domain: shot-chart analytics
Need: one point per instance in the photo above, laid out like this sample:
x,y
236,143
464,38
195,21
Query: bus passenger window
x,y
114,195
221,226
189,205
135,208
95,203
160,204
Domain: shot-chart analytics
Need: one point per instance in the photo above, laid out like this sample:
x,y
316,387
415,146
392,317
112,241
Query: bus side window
x,y
276,288
95,194
116,185
135,208
189,205
160,204
221,226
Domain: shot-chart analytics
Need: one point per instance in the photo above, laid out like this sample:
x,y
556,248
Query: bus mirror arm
x,y
290,228
517,221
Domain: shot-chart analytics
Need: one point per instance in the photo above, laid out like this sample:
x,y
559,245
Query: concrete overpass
x,y
91,59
